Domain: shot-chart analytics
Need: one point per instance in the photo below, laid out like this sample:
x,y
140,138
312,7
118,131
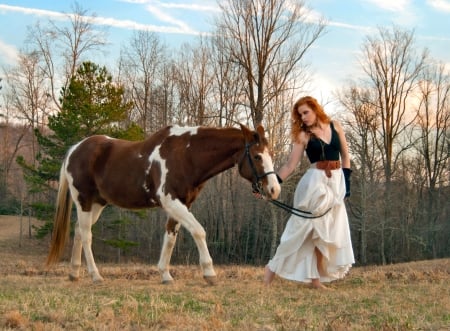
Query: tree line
x,y
250,71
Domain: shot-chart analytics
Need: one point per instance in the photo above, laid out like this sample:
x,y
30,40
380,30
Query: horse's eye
x,y
258,157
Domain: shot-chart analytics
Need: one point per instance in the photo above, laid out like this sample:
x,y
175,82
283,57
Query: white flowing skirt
x,y
295,258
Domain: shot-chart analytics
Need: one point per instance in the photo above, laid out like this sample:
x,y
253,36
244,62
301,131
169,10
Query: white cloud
x,y
365,29
391,5
33,11
184,6
179,27
442,5
164,17
190,6
9,53
132,25
404,13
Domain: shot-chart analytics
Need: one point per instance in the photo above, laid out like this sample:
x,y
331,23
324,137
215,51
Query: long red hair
x,y
297,124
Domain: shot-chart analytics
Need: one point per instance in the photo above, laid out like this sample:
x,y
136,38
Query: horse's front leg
x,y
170,238
181,213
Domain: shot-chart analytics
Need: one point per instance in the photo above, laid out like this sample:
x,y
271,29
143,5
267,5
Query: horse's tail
x,y
61,224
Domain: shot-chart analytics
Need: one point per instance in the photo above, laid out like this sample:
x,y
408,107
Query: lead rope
x,y
257,188
295,211
290,209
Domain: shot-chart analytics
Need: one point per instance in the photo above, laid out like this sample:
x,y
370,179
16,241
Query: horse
x,y
168,169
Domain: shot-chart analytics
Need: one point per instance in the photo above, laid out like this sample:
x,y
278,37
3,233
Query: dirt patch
x,y
18,243
12,226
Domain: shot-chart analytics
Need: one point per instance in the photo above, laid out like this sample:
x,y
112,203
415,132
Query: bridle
x,y
257,187
256,183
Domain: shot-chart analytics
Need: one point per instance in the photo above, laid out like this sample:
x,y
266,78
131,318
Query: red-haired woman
x,y
316,250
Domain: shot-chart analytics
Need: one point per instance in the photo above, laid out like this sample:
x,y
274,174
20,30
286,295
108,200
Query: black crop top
x,y
318,150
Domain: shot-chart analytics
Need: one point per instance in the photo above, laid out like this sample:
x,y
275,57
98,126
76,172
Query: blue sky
x,y
333,59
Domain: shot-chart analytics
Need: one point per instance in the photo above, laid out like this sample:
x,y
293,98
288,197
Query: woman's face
x,y
307,115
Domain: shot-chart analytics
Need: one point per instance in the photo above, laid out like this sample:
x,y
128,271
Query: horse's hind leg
x,y
83,240
75,261
170,237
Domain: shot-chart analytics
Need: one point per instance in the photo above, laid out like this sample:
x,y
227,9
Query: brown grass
x,y
411,296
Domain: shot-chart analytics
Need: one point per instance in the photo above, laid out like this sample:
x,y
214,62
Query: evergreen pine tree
x,y
92,104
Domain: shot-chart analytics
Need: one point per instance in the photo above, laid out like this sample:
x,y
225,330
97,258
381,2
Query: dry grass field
x,y
412,296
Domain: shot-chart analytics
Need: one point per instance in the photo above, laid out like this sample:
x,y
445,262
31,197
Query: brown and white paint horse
x,y
166,170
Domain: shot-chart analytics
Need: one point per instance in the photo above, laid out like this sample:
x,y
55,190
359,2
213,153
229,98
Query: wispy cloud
x,y
403,11
9,53
133,25
190,6
164,17
171,5
391,5
33,11
365,29
179,27
164,11
441,5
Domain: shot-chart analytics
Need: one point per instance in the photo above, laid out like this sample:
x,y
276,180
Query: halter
x,y
256,184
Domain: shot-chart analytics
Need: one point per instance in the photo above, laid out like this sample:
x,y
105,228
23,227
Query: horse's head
x,y
256,164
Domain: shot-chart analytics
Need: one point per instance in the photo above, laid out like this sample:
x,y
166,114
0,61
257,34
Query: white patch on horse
x,y
147,171
178,131
166,199
267,161
67,161
73,148
74,192
272,180
155,156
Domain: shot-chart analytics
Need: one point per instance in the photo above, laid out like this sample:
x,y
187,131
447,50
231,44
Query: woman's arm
x,y
298,149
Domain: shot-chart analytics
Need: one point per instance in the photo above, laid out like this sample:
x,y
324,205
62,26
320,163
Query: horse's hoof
x,y
73,278
98,280
167,282
211,280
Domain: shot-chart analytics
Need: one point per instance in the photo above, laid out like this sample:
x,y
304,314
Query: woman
x,y
316,250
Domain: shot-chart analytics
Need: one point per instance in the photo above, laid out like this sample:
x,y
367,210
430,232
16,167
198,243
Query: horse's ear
x,y
248,136
260,130
251,136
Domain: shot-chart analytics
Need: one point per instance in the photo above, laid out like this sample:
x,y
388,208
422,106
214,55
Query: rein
x,y
256,185
289,209
295,211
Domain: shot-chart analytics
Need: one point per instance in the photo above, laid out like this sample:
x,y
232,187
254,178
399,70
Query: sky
x,y
333,60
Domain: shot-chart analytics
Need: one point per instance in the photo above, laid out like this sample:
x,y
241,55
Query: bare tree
x,y
141,69
267,39
27,93
361,133
165,95
434,124
195,79
227,86
393,68
63,46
